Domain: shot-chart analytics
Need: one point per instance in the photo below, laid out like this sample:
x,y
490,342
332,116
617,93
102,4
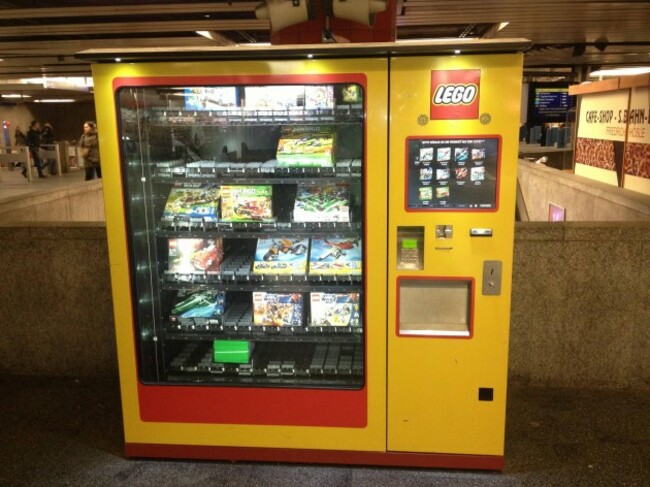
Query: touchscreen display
x,y
452,173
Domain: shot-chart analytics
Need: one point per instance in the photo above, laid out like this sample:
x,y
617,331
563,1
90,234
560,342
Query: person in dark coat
x,y
47,138
89,149
19,137
34,144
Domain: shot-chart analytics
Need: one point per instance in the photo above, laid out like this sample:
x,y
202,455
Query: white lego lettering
x,y
455,94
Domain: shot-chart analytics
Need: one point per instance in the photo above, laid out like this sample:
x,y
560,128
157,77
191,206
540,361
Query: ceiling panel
x,y
41,36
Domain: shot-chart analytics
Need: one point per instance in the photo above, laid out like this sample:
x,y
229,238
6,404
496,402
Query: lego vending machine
x,y
453,158
248,268
310,257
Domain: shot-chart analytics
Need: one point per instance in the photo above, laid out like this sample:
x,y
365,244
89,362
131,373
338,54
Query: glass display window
x,y
245,210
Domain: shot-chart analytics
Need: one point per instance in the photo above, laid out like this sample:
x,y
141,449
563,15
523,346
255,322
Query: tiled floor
x,y
56,432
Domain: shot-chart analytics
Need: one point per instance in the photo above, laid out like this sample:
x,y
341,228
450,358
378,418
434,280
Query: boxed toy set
x,y
335,309
246,203
281,256
335,256
277,309
188,255
322,203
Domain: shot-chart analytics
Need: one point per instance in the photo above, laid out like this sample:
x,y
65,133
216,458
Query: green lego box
x,y
232,351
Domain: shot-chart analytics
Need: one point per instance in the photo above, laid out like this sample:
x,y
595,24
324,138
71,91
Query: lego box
x,y
306,147
246,203
193,202
198,304
187,255
273,309
281,256
335,309
335,256
326,203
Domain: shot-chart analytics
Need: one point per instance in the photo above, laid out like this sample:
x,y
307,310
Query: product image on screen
x,y
281,256
198,304
466,172
335,256
426,154
335,309
442,154
426,174
461,154
193,202
246,203
275,309
187,255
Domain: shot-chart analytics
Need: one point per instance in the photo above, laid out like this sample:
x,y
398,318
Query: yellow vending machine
x,y
452,179
311,250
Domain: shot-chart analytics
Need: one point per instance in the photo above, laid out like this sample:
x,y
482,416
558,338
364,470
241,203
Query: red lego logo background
x,y
451,92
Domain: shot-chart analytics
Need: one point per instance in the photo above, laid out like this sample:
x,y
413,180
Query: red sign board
x,y
455,94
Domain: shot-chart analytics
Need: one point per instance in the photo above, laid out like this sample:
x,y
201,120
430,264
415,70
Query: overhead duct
x,y
284,13
360,11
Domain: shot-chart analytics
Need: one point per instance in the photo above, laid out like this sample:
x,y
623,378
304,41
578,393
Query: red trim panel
x,y
391,459
251,405
241,405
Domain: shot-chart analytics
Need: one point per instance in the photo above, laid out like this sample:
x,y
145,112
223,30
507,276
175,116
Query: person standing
x,y
47,138
34,144
19,137
89,150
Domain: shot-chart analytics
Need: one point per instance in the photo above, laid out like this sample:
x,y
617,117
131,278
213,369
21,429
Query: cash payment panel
x,y
311,250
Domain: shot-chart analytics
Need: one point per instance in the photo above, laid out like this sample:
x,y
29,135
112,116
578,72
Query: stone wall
x,y
583,199
580,307
82,202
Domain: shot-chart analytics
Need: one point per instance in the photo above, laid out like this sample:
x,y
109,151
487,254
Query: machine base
x,y
391,459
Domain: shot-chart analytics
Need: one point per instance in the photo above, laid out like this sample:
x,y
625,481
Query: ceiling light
x,y
15,95
205,33
456,51
502,26
620,71
55,100
118,59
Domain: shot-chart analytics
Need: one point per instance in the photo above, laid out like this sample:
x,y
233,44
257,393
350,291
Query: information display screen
x,y
452,173
548,103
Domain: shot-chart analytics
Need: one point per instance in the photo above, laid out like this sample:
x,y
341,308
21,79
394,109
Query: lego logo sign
x,y
455,94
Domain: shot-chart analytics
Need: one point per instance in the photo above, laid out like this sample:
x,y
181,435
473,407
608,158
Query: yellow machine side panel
x,y
370,438
433,381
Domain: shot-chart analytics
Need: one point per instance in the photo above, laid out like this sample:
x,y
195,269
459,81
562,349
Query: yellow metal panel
x,y
373,437
433,383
